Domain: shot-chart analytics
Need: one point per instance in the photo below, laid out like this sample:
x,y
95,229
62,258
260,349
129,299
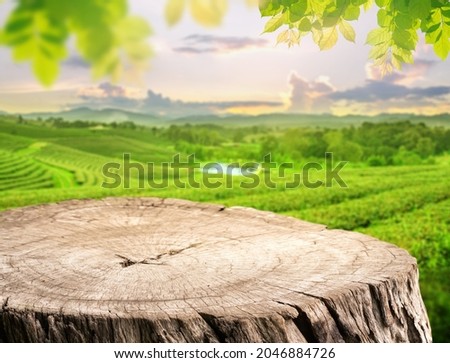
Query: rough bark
x,y
154,270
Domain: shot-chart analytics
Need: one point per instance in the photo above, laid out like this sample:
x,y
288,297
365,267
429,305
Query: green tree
x,y
406,157
425,147
238,135
269,145
346,151
302,143
376,160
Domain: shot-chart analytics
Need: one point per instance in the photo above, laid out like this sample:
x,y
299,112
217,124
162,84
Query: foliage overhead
x,y
205,12
393,42
105,35
109,39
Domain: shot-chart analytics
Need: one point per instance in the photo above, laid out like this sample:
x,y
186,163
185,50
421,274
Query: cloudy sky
x,y
233,68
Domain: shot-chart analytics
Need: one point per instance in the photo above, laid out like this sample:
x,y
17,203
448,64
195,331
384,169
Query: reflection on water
x,y
234,169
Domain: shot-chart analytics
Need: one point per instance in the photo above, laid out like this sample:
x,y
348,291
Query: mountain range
x,y
279,119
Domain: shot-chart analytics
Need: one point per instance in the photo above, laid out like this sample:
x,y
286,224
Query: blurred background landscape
x,y
228,95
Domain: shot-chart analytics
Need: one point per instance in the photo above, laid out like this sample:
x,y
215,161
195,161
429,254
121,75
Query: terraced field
x,y
409,205
84,168
17,172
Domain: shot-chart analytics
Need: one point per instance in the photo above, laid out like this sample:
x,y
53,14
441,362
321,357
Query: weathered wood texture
x,y
153,270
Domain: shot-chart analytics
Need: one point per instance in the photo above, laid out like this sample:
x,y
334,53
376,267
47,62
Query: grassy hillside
x,y
406,202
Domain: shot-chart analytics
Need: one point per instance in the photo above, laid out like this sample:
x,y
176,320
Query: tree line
x,y
376,144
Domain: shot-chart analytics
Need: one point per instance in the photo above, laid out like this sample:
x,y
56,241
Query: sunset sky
x,y
234,68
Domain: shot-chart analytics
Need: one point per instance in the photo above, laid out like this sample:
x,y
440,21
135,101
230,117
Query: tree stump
x,y
165,270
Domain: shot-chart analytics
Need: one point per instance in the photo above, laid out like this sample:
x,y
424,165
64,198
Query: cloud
x,y
204,43
374,91
76,62
193,50
110,95
106,95
108,90
309,96
155,102
410,73
396,92
383,97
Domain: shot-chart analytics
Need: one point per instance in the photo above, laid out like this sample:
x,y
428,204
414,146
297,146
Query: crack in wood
x,y
303,323
5,304
172,252
127,262
210,321
335,316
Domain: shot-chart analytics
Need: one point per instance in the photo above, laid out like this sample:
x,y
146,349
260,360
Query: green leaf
x,y
45,69
404,21
384,18
368,4
445,12
86,14
420,8
134,28
401,6
442,45
305,25
317,6
174,11
276,22
352,13
397,62
378,36
403,39
115,10
347,31
19,23
330,21
316,34
433,28
405,55
94,51
24,51
289,36
328,39
268,7
283,36
379,50
208,12
298,10
16,40
382,3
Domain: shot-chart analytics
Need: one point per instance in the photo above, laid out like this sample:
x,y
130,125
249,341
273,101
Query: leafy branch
x,y
110,40
105,35
393,42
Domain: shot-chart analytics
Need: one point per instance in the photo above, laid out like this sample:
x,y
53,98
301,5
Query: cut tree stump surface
x,y
165,270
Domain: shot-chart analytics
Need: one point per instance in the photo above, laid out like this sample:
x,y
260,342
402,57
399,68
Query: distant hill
x,y
106,115
281,120
299,120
